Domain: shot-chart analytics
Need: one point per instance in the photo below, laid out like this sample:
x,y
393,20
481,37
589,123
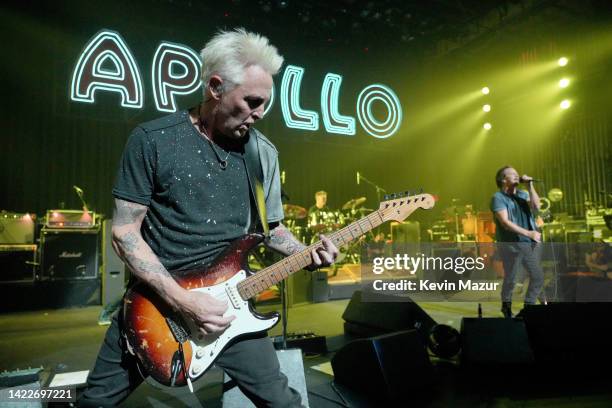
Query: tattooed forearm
x,y
137,254
129,242
127,213
283,241
133,251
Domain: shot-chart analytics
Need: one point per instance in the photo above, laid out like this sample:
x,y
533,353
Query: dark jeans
x,y
513,256
251,363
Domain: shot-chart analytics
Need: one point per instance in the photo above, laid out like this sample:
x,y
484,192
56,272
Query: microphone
x,y
534,180
78,190
358,178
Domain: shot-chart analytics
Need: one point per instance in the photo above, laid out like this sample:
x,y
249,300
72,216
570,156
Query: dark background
x,y
433,54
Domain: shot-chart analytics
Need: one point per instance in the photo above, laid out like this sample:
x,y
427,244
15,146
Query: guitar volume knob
x,y
200,353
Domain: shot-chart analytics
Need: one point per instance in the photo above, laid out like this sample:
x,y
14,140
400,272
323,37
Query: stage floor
x,y
68,340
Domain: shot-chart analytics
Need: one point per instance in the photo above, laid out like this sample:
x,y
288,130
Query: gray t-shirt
x,y
196,208
519,213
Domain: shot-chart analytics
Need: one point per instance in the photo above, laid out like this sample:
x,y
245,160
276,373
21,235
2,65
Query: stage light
x,y
565,104
562,61
485,90
487,126
486,107
563,83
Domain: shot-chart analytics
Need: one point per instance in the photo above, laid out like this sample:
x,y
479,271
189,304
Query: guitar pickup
x,y
233,296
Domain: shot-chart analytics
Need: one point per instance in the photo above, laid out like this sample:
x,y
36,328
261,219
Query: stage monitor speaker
x,y
494,341
69,254
570,335
113,269
291,365
407,232
384,367
17,263
364,319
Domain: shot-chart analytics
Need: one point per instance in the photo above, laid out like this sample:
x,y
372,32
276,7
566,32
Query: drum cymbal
x,y
355,202
294,212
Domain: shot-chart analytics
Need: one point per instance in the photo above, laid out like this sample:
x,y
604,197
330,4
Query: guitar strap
x,y
252,160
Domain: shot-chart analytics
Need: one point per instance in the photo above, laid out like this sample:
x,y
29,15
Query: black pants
x,y
252,363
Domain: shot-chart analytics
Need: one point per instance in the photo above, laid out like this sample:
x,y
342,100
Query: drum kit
x,y
307,227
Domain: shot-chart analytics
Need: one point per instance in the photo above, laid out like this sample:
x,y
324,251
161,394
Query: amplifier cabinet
x,y
16,228
69,254
17,263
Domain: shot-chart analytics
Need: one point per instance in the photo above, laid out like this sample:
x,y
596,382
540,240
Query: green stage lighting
x,y
486,107
563,61
564,83
565,104
487,126
485,90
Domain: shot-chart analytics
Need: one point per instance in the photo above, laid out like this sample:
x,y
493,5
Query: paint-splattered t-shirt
x,y
196,208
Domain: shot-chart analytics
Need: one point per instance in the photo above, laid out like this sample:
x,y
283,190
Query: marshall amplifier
x,y
70,219
17,263
69,254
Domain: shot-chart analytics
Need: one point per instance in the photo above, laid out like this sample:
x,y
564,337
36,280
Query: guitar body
x,y
151,339
172,350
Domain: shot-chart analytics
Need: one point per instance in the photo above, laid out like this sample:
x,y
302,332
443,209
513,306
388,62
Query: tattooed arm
x,y
283,241
127,241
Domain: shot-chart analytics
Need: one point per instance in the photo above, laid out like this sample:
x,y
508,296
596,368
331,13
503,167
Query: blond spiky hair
x,y
229,53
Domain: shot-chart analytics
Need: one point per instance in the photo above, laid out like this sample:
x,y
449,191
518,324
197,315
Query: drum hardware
x,y
544,211
555,195
325,221
294,212
353,203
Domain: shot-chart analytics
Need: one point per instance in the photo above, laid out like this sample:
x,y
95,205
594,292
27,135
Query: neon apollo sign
x,y
107,64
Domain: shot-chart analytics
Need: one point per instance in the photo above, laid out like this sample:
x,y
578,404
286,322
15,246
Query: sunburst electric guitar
x,y
173,351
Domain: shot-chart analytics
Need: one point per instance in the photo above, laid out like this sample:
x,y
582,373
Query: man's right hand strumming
x,y
205,311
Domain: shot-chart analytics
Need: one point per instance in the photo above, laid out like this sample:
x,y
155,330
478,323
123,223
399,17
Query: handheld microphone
x,y
534,180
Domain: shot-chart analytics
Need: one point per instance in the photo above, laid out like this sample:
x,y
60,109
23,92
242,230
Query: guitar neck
x,y
281,270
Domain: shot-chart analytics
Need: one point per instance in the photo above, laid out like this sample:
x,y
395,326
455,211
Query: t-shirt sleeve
x,y
498,203
523,194
274,205
135,176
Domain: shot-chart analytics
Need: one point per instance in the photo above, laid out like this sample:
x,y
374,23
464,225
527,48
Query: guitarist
x,y
182,195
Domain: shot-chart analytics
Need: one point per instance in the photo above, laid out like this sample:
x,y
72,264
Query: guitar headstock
x,y
401,205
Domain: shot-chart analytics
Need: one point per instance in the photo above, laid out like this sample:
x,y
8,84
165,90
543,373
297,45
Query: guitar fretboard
x,y
397,209
275,273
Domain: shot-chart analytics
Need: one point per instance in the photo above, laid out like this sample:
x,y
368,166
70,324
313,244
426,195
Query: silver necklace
x,y
222,162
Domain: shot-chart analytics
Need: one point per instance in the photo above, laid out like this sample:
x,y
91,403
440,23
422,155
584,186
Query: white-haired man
x,y
182,195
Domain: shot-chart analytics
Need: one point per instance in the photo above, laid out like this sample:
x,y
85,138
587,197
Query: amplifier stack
x,y
62,270
17,248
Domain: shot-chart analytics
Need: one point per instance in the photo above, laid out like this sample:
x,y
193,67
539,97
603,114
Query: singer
x,y
513,212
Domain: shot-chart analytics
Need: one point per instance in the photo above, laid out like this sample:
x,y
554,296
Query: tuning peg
x,y
407,192
386,197
421,190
